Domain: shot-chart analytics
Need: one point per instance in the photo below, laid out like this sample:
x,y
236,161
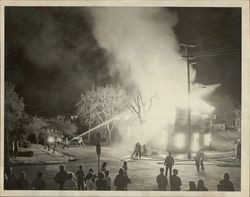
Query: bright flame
x,y
195,144
207,139
179,140
145,52
51,139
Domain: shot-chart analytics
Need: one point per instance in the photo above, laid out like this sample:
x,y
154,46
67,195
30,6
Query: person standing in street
x,y
197,161
90,179
139,150
225,184
238,150
22,182
120,181
136,150
107,179
61,177
101,183
66,143
162,181
192,186
80,175
70,184
202,157
10,182
80,142
201,186
169,162
175,181
38,183
15,144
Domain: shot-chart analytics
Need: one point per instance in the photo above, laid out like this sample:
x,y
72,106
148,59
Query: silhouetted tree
x,y
100,105
36,126
13,112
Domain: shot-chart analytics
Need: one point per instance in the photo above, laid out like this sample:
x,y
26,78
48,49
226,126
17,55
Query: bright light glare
x,y
207,139
179,140
51,139
195,145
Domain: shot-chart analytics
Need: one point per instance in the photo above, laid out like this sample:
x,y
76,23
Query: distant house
x,y
232,122
219,125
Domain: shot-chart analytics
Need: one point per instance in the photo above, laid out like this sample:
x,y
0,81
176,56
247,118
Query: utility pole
x,y
189,58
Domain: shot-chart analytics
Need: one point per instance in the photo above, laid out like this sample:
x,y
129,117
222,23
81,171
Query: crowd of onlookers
x,y
175,183
102,181
68,180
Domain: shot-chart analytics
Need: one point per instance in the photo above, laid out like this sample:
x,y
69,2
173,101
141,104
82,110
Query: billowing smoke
x,y
145,52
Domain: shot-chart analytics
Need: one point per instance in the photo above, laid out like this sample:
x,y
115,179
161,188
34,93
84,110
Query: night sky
x,y
51,55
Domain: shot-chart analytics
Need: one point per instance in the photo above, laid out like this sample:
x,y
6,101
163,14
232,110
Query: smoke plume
x,y
145,53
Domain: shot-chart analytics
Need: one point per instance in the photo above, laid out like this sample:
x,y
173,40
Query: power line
x,y
210,53
224,49
215,37
215,52
218,54
219,70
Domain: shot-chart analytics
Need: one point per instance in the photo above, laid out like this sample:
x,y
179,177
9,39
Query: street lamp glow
x,y
179,140
207,139
51,139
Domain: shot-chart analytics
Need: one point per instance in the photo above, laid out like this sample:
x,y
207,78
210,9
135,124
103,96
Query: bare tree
x,y
139,106
100,105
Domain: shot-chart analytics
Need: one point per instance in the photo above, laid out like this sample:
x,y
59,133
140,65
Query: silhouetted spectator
x,y
70,184
169,162
104,166
80,175
162,181
101,184
192,186
61,177
201,186
125,167
22,182
10,181
91,184
90,176
225,184
175,181
38,183
107,179
121,180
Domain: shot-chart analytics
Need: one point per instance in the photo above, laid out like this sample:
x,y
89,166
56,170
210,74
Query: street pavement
x,y
142,172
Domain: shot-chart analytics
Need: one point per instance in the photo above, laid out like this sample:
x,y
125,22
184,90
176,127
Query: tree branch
x,y
150,104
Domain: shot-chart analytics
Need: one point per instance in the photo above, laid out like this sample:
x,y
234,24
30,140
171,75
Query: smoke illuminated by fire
x,y
144,50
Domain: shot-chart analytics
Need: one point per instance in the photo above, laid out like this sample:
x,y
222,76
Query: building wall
x,y
220,126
